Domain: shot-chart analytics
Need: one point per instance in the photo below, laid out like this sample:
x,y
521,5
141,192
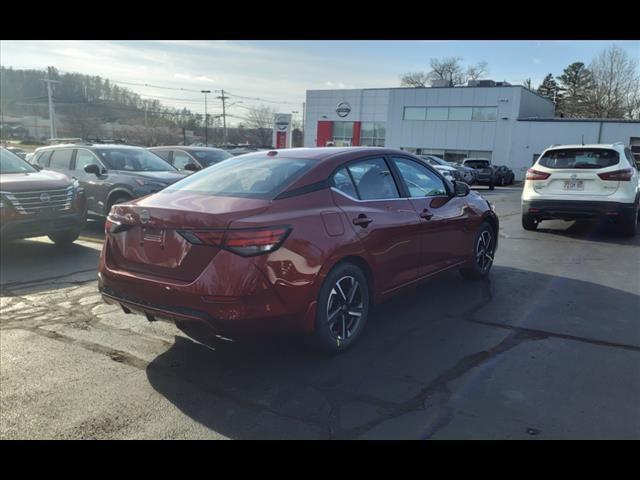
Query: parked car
x,y
504,175
465,174
485,174
450,173
190,159
303,240
109,173
572,182
34,203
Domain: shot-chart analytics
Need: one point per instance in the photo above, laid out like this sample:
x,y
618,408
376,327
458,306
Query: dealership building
x,y
507,124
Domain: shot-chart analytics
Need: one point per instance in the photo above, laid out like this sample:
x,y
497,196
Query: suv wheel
x,y
484,248
64,238
117,198
529,222
343,308
630,222
492,185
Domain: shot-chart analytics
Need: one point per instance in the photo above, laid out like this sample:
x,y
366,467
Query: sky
x,y
279,72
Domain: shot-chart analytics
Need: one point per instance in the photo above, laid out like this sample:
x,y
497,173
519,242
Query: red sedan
x,y
303,240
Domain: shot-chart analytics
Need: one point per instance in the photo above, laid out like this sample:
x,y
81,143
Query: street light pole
x,y
206,118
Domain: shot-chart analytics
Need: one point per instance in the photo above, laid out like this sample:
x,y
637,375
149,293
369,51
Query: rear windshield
x,y
476,163
11,163
133,160
209,157
249,177
579,158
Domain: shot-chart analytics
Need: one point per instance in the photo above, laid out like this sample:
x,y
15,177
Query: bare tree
x,y
616,81
261,119
527,84
449,69
414,79
475,72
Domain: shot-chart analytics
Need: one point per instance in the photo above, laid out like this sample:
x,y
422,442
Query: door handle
x,y
362,220
426,214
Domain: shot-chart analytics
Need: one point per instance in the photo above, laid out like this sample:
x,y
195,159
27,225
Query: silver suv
x,y
109,173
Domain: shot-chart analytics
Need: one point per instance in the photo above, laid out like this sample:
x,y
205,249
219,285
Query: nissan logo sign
x,y
45,197
343,109
282,123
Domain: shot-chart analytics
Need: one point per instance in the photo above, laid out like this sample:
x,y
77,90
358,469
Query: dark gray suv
x,y
110,174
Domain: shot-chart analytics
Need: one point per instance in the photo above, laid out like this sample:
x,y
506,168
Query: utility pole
x,y
303,106
52,121
206,118
224,118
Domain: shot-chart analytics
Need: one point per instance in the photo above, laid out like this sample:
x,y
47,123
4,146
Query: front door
x,y
444,218
387,225
95,187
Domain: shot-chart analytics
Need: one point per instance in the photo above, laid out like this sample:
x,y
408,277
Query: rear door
x,y
443,218
387,225
60,161
575,172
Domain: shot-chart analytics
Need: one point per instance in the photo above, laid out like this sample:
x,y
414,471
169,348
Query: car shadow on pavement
x,y
33,265
423,354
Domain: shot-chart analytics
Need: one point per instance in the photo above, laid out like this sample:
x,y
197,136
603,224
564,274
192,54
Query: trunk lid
x,y
576,182
151,243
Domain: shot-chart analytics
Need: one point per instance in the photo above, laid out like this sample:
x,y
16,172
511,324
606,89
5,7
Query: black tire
x,y
65,238
118,198
630,223
529,222
492,185
337,334
484,247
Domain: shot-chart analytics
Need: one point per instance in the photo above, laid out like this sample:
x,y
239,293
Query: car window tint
x,y
373,180
42,158
420,181
61,159
84,158
580,158
343,182
180,159
163,154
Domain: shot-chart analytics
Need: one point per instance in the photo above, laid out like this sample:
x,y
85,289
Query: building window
x,y
454,156
372,134
437,113
342,134
479,114
460,113
485,114
415,113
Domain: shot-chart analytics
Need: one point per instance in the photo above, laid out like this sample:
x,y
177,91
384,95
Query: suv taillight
x,y
246,242
537,175
617,176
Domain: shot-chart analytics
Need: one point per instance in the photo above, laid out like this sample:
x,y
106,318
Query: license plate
x,y
573,185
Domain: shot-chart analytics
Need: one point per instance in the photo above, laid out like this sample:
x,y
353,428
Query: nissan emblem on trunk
x,y
343,109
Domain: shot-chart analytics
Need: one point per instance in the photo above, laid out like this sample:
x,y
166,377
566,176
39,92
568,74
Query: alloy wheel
x,y
345,307
484,251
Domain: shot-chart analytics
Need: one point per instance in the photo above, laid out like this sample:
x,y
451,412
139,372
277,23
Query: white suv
x,y
572,182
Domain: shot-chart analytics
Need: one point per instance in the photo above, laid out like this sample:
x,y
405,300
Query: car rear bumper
x,y
575,210
16,228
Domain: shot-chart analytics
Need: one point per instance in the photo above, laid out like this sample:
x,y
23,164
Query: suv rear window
x,y
587,158
476,163
253,177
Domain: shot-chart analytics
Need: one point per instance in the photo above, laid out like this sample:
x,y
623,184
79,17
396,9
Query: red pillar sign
x,y
282,130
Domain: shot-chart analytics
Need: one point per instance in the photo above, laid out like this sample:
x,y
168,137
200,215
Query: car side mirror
x,y
460,189
192,167
92,168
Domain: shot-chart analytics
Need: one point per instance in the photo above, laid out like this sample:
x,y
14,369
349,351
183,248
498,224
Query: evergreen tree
x,y
577,84
549,88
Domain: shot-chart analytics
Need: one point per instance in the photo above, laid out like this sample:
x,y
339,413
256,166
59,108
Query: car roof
x,y
589,145
91,145
187,148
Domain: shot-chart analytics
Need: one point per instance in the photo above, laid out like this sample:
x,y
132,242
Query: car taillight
x,y
537,175
617,176
246,242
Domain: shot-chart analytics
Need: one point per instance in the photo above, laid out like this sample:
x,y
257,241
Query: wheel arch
x,y
113,194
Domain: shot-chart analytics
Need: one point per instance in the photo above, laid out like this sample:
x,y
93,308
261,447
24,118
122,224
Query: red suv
x,y
302,240
35,203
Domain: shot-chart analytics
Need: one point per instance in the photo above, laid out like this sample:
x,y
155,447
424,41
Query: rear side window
x,y
580,158
343,182
253,177
477,164
373,180
61,159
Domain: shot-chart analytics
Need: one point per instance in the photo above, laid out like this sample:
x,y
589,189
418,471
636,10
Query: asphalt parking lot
x,y
547,348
